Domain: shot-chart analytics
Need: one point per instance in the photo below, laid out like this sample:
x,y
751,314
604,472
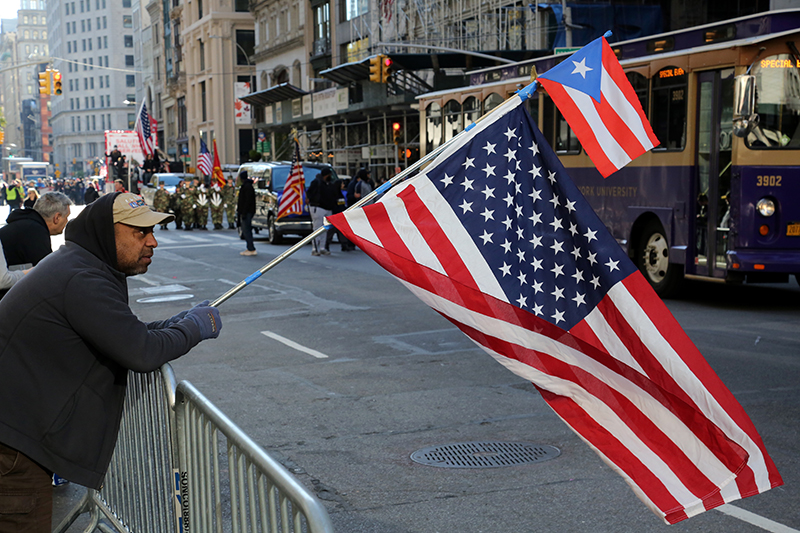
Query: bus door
x,y
713,175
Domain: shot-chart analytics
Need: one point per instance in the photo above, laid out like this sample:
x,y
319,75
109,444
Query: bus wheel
x,y
652,258
274,236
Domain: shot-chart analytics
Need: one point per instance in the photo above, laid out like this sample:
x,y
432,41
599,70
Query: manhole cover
x,y
484,454
167,298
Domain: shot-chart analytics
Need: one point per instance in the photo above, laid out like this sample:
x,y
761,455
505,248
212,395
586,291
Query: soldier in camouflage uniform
x,y
175,204
201,211
161,202
229,196
217,205
188,204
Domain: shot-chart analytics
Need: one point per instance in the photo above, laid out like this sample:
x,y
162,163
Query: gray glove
x,y
207,319
180,316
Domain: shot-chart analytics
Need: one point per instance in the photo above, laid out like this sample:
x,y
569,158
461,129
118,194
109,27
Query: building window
x,y
355,8
199,9
130,80
128,61
127,21
83,26
246,39
202,49
89,25
126,3
242,6
131,120
128,41
203,100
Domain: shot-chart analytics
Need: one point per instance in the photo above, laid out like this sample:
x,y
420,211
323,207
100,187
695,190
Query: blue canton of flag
x,y
495,237
549,251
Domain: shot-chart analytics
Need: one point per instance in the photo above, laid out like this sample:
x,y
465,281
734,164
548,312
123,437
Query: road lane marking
x,y
751,518
194,246
292,344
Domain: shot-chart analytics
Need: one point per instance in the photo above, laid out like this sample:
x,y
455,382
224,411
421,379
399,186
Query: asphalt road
x,y
398,378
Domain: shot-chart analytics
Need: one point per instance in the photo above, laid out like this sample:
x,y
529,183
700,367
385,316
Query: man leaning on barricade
x,y
67,341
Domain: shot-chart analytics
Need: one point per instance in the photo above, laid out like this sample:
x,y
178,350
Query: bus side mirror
x,y
744,103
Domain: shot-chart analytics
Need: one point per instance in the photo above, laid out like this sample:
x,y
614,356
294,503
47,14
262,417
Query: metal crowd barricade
x,y
165,474
259,493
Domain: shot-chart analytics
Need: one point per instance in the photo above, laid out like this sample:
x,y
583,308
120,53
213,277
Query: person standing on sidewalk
x,y
322,198
246,209
67,342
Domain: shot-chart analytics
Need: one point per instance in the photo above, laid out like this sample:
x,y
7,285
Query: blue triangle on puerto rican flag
x,y
582,70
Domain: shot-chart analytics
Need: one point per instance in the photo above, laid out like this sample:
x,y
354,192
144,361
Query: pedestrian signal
x,y
386,69
56,82
44,82
375,68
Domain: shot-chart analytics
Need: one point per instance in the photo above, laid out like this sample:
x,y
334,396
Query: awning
x,y
349,72
284,91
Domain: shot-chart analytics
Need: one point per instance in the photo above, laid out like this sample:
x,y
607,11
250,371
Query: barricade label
x,y
182,500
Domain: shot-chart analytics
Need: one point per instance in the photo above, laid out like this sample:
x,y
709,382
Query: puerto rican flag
x,y
597,100
496,238
147,129
293,199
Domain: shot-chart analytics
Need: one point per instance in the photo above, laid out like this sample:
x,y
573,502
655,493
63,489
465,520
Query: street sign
x,y
557,51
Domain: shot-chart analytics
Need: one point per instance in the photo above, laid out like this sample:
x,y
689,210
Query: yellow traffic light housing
x,y
56,82
397,132
375,68
386,68
44,82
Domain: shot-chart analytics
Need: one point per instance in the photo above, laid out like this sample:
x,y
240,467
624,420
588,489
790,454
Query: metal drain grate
x,y
484,454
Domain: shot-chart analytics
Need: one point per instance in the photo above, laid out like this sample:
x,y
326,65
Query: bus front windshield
x,y
777,103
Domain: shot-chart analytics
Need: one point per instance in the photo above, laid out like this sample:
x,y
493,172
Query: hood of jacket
x,y
25,214
93,229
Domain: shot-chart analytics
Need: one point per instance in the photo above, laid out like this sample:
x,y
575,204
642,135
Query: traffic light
x,y
56,82
375,68
44,82
397,132
386,66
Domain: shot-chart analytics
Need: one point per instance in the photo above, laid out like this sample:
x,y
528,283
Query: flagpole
x,y
523,93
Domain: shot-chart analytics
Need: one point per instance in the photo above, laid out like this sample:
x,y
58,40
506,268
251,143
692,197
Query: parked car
x,y
170,180
269,178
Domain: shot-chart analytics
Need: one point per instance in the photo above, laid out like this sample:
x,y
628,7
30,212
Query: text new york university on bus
x,y
718,198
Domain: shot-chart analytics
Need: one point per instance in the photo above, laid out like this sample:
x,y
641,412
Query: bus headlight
x,y
766,207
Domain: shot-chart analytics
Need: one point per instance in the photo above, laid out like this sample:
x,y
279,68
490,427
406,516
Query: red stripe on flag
x,y
617,75
619,129
575,118
690,355
584,425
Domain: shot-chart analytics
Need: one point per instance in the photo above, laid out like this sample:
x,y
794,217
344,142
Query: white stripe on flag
x,y
681,436
683,375
459,237
619,103
610,340
608,143
361,227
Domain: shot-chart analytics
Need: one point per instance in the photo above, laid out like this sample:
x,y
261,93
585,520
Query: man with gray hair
x,y
26,235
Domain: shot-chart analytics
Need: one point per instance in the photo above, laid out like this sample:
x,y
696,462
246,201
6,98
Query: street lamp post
x,y
252,82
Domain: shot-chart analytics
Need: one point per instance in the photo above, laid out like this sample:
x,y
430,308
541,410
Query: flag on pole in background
x,y
293,199
204,160
495,237
597,100
217,177
147,130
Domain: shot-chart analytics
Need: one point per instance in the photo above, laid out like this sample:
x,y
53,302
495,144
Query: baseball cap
x,y
132,210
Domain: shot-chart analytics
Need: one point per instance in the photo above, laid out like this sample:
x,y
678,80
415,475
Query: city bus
x,y
719,198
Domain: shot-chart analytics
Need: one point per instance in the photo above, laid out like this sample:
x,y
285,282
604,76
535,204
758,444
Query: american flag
x,y
293,199
597,100
147,130
495,237
204,160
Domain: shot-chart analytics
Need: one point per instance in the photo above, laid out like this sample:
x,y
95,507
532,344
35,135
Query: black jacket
x,y
25,237
247,198
67,341
322,194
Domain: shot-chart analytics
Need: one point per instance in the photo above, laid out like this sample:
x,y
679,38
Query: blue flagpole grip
x,y
608,34
527,91
383,188
252,277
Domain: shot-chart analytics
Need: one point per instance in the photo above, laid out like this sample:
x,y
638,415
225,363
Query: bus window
x,y
777,104
472,110
452,120
640,85
548,119
433,127
668,116
556,130
532,104
492,101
